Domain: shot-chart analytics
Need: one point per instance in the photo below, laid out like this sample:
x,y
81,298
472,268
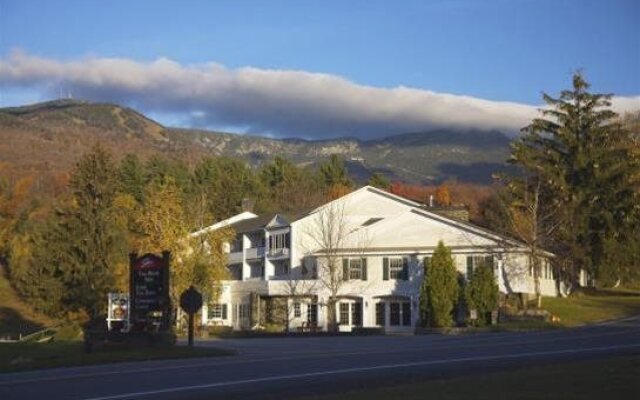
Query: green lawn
x,y
598,306
25,356
16,317
614,378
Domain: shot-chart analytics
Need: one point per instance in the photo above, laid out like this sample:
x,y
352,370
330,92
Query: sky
x,y
320,69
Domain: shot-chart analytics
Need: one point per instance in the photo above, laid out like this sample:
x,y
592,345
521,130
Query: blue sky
x,y
502,51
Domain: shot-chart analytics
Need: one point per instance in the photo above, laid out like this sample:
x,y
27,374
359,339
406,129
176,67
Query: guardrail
x,y
235,257
274,253
254,253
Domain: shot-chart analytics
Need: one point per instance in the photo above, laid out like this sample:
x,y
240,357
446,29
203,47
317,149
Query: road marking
x,y
324,354
358,369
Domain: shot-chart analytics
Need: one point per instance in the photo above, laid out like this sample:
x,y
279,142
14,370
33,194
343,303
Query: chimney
x,y
430,200
247,205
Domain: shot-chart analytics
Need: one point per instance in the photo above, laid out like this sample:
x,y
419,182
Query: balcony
x,y
279,253
235,257
254,253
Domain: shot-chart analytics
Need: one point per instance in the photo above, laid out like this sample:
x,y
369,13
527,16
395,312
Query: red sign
x,y
149,261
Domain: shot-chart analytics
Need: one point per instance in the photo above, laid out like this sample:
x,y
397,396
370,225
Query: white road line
x,y
358,369
323,354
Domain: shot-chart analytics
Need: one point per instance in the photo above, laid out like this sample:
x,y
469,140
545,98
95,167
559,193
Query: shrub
x,y
441,287
481,293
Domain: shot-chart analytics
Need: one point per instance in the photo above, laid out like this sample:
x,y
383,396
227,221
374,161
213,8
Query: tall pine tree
x,y
582,157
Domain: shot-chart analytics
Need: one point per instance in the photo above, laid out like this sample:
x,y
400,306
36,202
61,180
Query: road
x,y
289,367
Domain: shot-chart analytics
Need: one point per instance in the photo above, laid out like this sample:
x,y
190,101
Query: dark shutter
x,y
364,269
385,268
488,261
224,311
405,269
469,266
345,269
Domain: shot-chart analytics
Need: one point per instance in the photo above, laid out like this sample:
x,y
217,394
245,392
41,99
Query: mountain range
x,y
52,135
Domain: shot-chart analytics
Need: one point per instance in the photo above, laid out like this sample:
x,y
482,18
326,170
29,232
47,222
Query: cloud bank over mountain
x,y
283,103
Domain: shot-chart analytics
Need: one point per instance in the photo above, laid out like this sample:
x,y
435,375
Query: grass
x,y
593,307
594,379
28,356
16,317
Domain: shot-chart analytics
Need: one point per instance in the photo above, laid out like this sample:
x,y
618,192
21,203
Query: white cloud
x,y
273,102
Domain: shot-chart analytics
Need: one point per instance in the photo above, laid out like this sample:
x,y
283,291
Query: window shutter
x,y
224,311
469,266
488,260
345,269
427,264
385,268
405,269
364,269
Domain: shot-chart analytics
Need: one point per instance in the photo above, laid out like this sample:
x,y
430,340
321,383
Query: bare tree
x,y
532,223
331,236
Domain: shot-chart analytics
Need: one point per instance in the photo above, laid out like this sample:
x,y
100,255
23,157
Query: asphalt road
x,y
289,367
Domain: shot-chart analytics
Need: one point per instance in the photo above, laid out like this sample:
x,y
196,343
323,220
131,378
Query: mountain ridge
x,y
416,157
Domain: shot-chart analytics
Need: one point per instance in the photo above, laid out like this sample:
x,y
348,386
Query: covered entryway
x,y
394,313
350,312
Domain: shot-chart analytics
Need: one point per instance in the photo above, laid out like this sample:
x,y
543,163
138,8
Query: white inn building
x,y
377,242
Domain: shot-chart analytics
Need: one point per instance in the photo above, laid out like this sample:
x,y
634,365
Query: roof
x,y
261,222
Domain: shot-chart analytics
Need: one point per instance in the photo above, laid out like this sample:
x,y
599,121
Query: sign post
x,y
191,302
118,312
150,302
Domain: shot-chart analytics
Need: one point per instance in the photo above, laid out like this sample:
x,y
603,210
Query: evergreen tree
x,y
379,181
481,292
424,291
583,158
221,184
333,172
82,242
289,187
132,177
442,287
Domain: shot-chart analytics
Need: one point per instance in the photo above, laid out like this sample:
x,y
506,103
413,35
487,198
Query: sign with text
x,y
149,291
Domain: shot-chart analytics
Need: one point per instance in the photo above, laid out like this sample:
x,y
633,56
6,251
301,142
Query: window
x,y
235,272
344,313
243,311
395,268
354,268
309,267
474,262
278,242
217,311
406,314
297,312
356,314
235,244
394,314
257,270
282,268
312,313
426,262
380,314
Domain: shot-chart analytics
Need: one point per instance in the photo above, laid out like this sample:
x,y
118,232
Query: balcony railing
x,y
275,253
235,257
254,253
